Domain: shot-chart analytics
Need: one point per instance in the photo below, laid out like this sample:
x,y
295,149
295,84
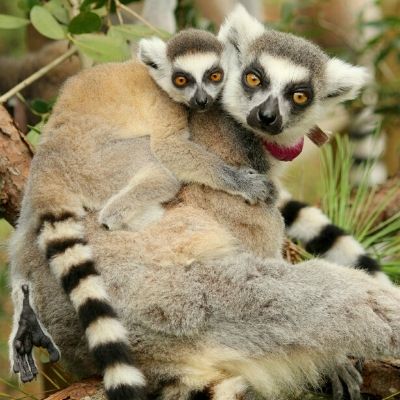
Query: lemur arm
x,y
192,163
310,226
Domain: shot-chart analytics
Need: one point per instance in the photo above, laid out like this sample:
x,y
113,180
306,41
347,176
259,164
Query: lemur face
x,y
275,97
189,67
279,85
196,80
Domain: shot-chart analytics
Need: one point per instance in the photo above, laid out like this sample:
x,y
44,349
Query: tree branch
x,y
15,157
37,75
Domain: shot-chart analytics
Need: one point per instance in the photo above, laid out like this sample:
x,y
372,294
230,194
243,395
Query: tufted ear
x,y
239,29
153,52
344,81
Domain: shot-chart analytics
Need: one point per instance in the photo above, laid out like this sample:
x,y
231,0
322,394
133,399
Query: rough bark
x,y
15,157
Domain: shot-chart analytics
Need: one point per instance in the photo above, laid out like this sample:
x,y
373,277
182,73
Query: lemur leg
x,y
28,333
315,230
140,202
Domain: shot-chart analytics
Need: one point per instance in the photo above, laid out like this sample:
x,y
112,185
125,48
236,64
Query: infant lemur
x,y
71,174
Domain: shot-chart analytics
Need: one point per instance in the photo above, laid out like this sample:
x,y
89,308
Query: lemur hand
x,y
30,334
255,187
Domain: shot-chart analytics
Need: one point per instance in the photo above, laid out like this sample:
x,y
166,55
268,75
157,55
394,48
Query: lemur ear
x,y
344,81
153,52
239,29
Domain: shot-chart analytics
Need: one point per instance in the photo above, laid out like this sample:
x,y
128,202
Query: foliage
x,y
88,25
353,208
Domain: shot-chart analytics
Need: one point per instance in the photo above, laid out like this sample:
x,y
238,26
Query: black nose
x,y
267,118
201,102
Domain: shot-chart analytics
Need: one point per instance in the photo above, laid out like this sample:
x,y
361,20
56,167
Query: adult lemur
x,y
250,330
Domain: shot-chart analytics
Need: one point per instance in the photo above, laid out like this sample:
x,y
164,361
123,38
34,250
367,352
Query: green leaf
x,y
11,22
58,10
46,24
136,32
85,22
102,48
40,106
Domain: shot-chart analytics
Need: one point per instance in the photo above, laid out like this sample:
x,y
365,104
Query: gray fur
x,y
192,41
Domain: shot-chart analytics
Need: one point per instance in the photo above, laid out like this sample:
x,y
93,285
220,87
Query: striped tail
x,y
61,238
368,148
313,228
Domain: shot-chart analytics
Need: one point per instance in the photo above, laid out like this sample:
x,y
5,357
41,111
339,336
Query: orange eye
x,y
252,80
180,80
300,98
216,76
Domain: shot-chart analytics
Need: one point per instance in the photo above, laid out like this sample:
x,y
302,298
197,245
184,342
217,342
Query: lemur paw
x,y
30,334
114,217
346,375
256,187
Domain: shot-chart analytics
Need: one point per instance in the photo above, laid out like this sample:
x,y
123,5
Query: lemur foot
x,y
346,375
115,218
30,334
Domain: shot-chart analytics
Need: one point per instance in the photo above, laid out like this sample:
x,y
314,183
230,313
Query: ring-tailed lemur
x,y
246,223
278,86
190,312
71,174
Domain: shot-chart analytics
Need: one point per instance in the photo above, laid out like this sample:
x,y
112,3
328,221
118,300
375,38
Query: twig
x,y
119,15
118,5
37,75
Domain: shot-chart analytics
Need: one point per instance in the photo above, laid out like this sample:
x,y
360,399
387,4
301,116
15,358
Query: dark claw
x,y
337,387
346,376
28,336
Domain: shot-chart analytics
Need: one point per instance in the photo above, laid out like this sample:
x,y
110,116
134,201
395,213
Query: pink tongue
x,y
284,153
